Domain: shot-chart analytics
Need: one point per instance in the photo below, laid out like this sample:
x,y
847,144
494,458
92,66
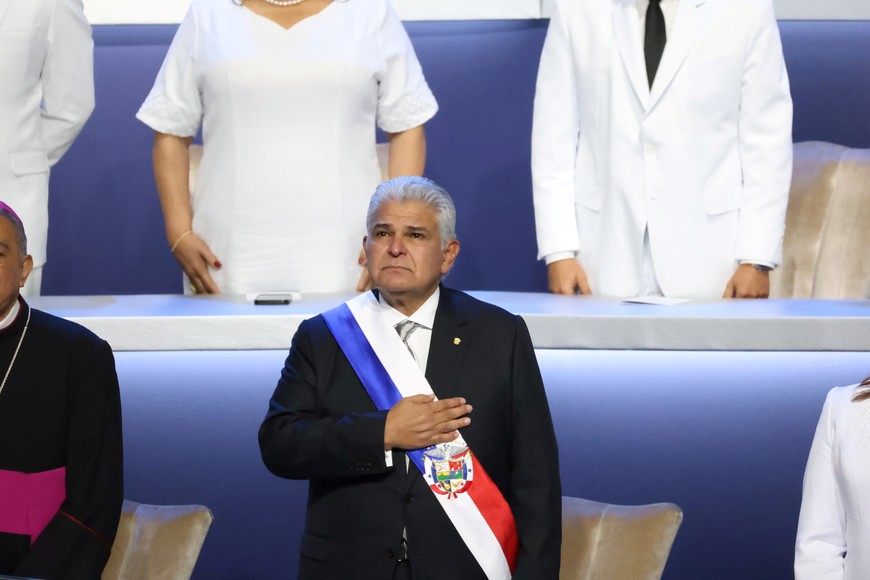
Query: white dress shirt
x,y
10,318
669,9
418,340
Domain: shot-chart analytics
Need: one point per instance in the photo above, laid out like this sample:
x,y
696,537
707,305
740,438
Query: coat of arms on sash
x,y
448,468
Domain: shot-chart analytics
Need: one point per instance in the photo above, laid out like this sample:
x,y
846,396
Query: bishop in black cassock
x,y
61,469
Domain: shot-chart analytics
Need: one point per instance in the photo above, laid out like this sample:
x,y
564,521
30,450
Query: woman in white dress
x,y
288,94
833,538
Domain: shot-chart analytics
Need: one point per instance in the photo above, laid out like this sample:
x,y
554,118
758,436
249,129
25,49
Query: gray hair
x,y
19,228
413,188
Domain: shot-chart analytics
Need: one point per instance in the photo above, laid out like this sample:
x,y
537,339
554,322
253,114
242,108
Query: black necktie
x,y
654,38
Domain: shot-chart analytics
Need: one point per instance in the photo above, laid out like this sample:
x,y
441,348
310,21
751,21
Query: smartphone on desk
x,y
274,298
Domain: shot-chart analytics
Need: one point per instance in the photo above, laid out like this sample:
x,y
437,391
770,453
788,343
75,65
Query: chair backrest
x,y
826,250
610,542
157,542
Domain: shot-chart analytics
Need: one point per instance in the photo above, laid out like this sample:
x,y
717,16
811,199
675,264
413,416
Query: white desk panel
x,y
170,322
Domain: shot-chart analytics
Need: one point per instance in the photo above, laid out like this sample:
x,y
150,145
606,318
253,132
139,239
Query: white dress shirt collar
x,y
10,318
424,316
669,10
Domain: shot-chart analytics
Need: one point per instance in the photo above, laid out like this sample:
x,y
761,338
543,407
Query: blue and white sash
x,y
464,490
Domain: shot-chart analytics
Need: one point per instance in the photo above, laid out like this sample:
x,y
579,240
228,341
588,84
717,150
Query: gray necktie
x,y
405,328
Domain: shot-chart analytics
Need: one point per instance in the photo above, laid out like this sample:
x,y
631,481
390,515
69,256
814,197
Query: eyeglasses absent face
x,y
404,253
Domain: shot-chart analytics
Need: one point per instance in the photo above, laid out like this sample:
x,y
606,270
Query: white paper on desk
x,y
658,300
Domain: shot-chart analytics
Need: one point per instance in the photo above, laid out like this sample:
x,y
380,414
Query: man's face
x,y
403,251
13,269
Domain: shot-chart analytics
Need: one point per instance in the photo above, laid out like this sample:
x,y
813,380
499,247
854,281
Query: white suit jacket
x,y
703,158
833,537
46,95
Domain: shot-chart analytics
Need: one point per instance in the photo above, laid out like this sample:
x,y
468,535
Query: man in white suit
x,y
46,95
666,177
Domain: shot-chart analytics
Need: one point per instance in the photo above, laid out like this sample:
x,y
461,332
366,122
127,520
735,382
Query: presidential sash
x,y
471,500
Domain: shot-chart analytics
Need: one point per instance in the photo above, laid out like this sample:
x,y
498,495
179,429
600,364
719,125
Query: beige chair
x,y
826,250
157,542
614,542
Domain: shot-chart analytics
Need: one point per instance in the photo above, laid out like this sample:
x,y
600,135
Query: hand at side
x,y
567,277
748,282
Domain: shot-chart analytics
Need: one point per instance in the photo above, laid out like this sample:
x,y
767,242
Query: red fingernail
x,y
217,264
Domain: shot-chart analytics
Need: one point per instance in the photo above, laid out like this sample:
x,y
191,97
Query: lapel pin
x,y
456,341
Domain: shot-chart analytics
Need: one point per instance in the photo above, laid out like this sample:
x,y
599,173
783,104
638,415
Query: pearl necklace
x,y
284,2
17,348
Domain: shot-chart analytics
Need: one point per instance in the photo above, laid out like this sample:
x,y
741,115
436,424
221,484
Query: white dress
x,y
288,126
833,538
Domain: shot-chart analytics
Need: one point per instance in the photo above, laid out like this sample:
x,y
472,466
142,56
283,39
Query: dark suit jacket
x,y
323,426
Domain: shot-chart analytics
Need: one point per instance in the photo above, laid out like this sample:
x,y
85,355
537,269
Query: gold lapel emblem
x,y
456,341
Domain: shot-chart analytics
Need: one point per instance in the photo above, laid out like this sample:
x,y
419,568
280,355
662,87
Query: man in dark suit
x,y
371,513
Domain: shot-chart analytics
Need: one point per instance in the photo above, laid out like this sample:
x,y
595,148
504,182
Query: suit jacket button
x,y
409,499
391,554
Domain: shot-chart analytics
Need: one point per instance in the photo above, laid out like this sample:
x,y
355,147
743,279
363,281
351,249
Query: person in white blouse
x,y
288,94
661,148
46,96
833,537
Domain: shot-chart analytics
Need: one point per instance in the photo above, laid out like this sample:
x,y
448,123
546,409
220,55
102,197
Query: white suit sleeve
x,y
67,78
174,105
821,538
555,136
764,134
404,99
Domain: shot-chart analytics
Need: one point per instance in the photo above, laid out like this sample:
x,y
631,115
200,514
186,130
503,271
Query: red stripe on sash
x,y
496,511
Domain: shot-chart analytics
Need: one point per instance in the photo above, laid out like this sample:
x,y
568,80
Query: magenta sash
x,y
28,501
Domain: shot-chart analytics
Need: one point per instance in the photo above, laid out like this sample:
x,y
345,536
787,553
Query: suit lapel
x,y
628,36
448,346
686,28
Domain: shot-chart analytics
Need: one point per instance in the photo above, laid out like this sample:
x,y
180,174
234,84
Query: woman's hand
x,y
196,259
364,283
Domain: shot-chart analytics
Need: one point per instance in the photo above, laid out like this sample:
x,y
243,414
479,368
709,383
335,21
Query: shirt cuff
x,y
550,258
388,458
770,265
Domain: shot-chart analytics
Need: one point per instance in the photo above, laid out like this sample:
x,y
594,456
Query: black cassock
x,y
60,409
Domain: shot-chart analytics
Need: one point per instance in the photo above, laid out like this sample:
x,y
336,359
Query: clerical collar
x,y
10,318
424,316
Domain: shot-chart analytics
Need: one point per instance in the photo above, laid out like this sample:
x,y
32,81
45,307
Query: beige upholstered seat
x,y
613,542
826,250
157,542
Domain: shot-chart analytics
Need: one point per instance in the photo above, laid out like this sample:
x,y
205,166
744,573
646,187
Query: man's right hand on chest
x,y
421,421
